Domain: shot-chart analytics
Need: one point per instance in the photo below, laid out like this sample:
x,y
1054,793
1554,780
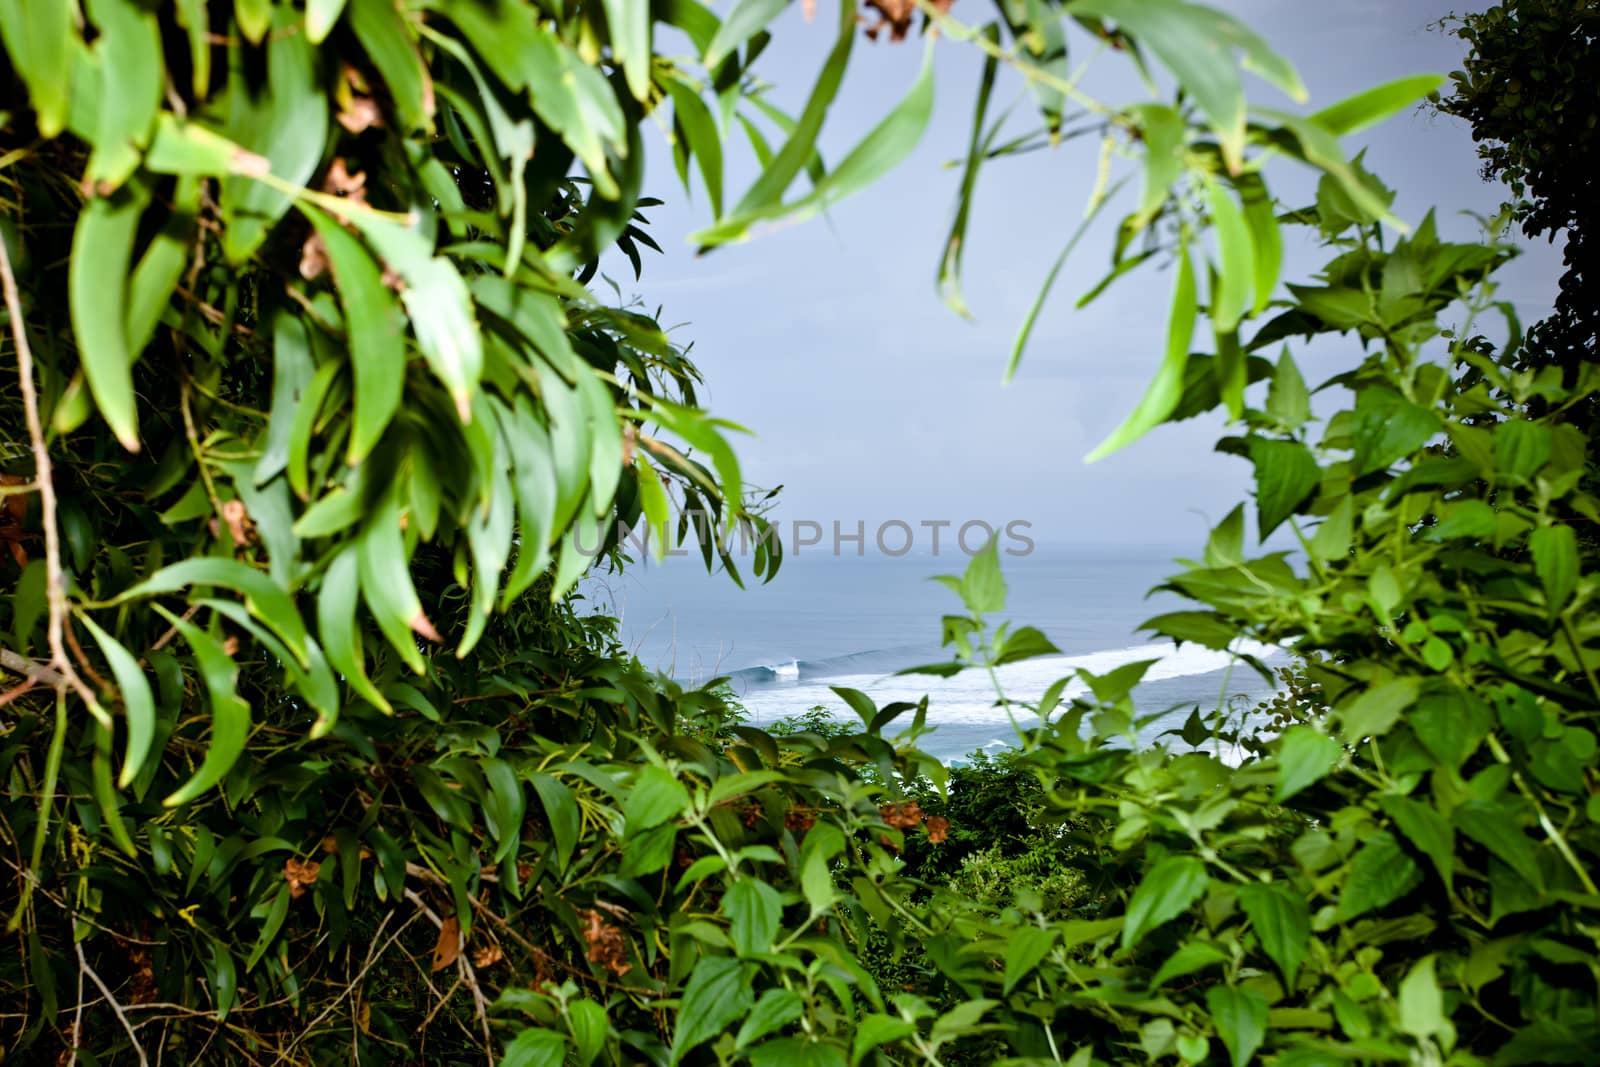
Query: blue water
x,y
847,621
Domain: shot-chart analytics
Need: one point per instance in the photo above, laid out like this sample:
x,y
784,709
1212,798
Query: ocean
x,y
853,621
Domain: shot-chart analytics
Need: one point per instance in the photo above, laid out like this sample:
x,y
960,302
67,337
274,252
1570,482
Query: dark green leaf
x,y
1240,1016
1282,922
1166,891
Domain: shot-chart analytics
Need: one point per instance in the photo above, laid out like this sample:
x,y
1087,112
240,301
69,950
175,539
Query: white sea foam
x,y
969,697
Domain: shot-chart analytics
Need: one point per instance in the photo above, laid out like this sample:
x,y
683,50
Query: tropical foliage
x,y
312,755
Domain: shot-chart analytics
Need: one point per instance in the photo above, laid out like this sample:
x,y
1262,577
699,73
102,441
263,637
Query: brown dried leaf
x,y
360,114
896,14
240,528
902,816
607,946
300,876
448,948
938,830
340,182
487,956
313,257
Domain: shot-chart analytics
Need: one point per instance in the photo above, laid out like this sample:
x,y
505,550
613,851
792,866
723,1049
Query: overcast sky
x,y
872,401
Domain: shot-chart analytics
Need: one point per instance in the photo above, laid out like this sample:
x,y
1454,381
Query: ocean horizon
x,y
856,621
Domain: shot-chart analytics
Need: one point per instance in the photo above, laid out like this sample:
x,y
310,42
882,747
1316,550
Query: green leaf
x,y
589,1029
102,252
1192,956
1421,1002
223,976
1373,105
747,18
755,912
123,92
800,146
883,149
561,811
385,572
437,302
629,24
656,796
254,18
137,702
1380,874
1235,258
949,278
1166,891
1304,756
876,1030
1026,330
1521,448
1225,544
1240,1016
230,714
699,130
715,996
1288,399
162,265
823,841
859,703
336,622
1498,829
320,17
983,587
1376,710
388,43
1197,44
1426,829
535,1048
105,793
284,119
264,599
1555,561
1286,473
1320,147
1166,389
1332,539
1024,642
373,333
1266,242
39,36
1282,922
1163,131
776,1009
1025,947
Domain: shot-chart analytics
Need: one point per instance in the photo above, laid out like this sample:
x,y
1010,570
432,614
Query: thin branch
x,y
84,968
44,481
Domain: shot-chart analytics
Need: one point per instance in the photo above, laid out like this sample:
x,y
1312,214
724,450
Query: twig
x,y
77,1022
464,966
33,672
85,969
44,480
373,955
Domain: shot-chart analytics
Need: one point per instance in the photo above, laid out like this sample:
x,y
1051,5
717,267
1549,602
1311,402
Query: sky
x,y
870,400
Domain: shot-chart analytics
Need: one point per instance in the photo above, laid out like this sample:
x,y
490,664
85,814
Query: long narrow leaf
x,y
230,714
1162,397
